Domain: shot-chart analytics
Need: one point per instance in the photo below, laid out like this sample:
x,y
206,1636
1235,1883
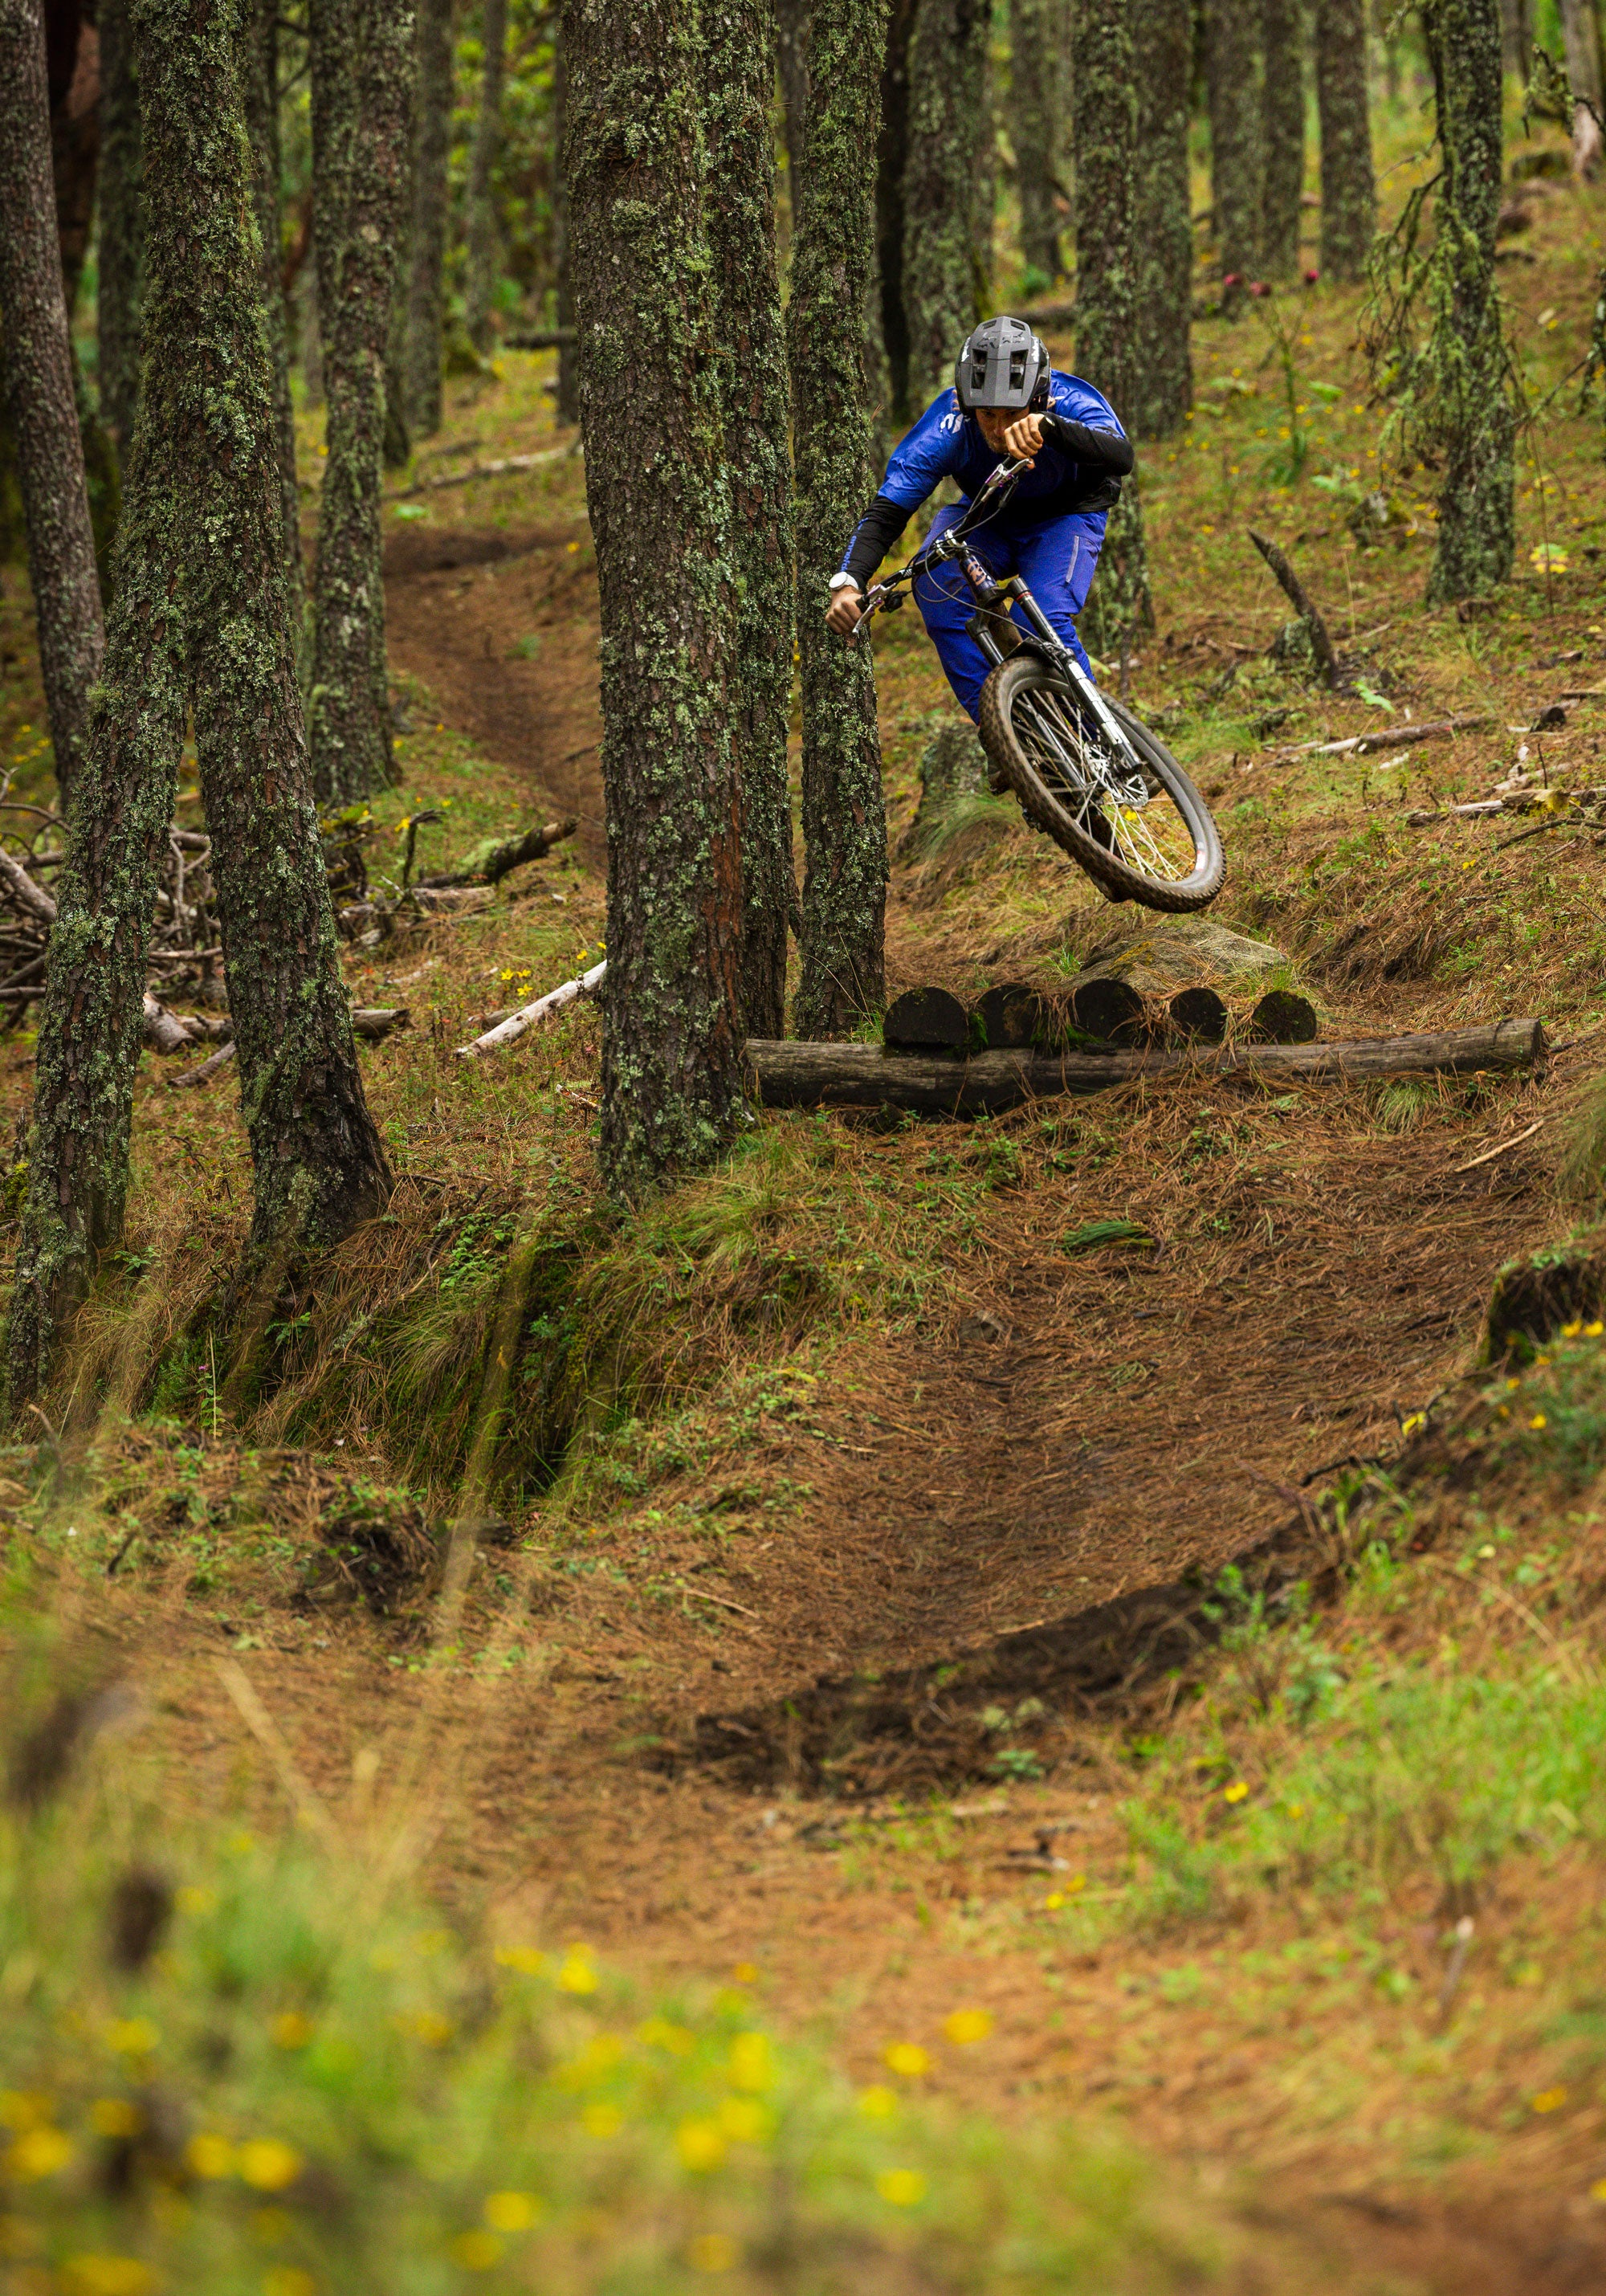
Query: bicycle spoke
x,y
1150,837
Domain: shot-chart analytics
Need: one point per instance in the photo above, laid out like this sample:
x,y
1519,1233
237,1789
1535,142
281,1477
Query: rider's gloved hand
x,y
847,605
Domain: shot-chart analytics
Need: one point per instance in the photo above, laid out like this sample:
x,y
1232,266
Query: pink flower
x,y
1232,279
1311,278
1258,287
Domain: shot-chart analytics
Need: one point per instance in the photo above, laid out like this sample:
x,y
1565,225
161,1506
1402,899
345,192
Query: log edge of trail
x,y
788,1074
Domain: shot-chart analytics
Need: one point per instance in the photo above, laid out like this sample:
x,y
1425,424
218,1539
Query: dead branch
x,y
1303,605
509,1031
1387,736
535,845
498,469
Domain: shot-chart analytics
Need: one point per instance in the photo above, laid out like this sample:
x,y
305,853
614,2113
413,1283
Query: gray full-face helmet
x,y
1003,365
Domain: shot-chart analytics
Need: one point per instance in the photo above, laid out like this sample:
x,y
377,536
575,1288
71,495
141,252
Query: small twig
x,y
702,1595
1458,1962
1502,1148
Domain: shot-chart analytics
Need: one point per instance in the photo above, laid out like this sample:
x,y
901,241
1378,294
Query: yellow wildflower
x,y
967,2025
525,1958
208,2156
267,2165
907,2058
750,2066
877,2101
577,1973
107,2275
1549,2100
1237,1791
114,2116
37,2153
477,2252
904,2188
511,2211
700,2144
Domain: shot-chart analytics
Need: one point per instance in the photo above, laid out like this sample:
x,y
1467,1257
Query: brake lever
x,y
872,601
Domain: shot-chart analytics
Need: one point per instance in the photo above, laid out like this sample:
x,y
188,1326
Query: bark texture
x,y
1466,352
1348,188
844,817
1516,37
887,321
202,620
119,253
1233,83
739,71
427,242
362,70
73,63
1107,347
568,401
259,86
1282,134
1162,387
949,117
1038,73
1581,39
484,252
35,365
660,513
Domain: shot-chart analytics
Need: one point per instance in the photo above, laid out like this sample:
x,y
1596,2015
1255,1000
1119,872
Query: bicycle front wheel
x,y
1144,837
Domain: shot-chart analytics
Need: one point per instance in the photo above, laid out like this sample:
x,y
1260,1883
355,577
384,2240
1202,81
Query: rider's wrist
x,y
843,582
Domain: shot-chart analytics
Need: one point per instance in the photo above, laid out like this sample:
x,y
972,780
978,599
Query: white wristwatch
x,y
843,582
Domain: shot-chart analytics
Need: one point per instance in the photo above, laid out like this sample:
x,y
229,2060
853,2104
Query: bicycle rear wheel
x,y
1148,836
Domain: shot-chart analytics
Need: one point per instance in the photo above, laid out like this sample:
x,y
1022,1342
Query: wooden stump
x,y
1109,1010
1199,1014
1282,1018
926,1020
1013,1017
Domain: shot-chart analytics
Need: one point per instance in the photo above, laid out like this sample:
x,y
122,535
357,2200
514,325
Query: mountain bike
x,y
1085,770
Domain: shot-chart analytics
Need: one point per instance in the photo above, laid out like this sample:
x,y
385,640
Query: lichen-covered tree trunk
x,y
1466,352
1283,134
948,113
1162,383
36,369
1105,98
739,63
844,816
259,84
887,326
1581,43
1037,94
568,399
1348,188
791,46
426,245
120,228
362,70
480,284
660,515
1233,90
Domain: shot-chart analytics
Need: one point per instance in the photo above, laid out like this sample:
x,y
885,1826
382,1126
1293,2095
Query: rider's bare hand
x,y
846,607
1023,438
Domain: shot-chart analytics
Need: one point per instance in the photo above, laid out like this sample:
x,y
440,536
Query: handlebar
x,y
999,483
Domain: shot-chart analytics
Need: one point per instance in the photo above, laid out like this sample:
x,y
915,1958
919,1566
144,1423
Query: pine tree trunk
x,y
739,67
1348,192
426,270
362,64
887,328
260,86
484,251
1477,535
72,61
1037,95
1104,80
660,513
1163,238
1581,39
1516,37
120,229
1232,86
568,401
792,31
947,107
1283,134
37,369
844,816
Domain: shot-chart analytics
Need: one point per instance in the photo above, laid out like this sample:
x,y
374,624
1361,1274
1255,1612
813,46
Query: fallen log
x,y
535,845
375,1021
788,1074
501,469
32,897
1386,736
509,1031
539,338
164,1031
206,1070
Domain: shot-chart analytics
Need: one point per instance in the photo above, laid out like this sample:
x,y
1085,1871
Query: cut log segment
x,y
1013,1016
376,1021
927,1020
1199,1013
864,1076
1104,1007
1282,1018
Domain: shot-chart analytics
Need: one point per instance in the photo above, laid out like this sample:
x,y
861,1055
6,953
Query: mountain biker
x,y
1007,403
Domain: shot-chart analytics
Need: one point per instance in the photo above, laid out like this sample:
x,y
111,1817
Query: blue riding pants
x,y
1055,560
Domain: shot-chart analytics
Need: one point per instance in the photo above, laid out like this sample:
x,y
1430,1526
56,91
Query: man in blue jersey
x,y
1007,404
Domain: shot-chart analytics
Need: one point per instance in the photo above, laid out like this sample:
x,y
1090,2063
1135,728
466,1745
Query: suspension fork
x,y
991,595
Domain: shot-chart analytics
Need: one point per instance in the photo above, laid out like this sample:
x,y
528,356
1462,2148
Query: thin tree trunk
x,y
484,250
1348,189
120,233
260,86
1104,81
660,515
362,62
947,104
1581,39
73,64
1037,95
1163,238
35,365
426,289
568,401
844,816
791,38
888,327
739,66
1233,88
1282,134
1516,37
1467,354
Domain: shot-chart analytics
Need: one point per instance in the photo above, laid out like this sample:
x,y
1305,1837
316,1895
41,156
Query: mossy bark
x,y
1105,96
1233,83
660,515
36,369
427,241
259,86
1037,95
1283,134
484,253
120,228
1348,188
739,65
362,70
1466,353
1162,384
942,189
844,817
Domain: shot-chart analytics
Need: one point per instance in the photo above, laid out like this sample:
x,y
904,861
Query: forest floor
x,y
850,1415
